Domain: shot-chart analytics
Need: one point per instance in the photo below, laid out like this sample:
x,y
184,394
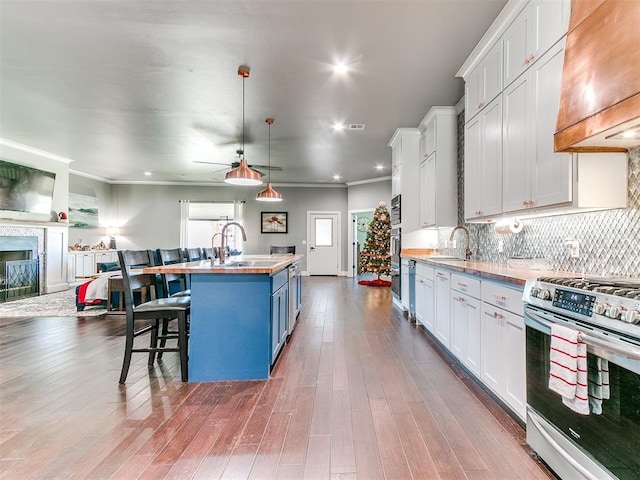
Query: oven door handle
x,y
534,319
560,451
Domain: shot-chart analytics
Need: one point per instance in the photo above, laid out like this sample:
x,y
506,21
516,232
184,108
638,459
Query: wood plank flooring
x,y
358,393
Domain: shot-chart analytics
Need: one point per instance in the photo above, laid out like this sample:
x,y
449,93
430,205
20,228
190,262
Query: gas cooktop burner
x,y
619,286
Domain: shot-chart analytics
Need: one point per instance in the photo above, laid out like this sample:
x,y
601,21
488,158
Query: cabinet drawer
x,y
425,271
279,279
465,284
501,296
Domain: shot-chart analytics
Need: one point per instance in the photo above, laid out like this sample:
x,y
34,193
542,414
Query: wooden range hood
x,y
600,92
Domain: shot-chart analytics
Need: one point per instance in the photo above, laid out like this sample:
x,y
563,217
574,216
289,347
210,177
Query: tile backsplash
x,y
609,241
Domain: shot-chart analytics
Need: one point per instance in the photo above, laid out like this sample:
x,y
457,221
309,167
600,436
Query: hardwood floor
x,y
359,393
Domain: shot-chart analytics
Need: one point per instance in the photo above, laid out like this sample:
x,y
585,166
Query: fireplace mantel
x,y
9,222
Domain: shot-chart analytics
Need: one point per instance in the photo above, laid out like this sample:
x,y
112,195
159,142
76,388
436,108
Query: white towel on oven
x,y
568,368
598,383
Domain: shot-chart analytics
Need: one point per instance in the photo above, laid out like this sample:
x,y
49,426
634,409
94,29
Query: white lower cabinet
x,y
442,325
465,321
404,284
503,367
425,310
481,323
84,263
56,258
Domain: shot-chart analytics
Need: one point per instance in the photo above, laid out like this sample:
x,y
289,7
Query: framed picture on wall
x,y
83,211
273,222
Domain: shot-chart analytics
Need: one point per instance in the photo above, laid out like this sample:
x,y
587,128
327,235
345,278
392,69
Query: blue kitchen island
x,y
239,315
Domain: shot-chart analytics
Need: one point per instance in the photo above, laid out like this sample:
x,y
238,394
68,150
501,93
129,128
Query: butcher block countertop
x,y
243,264
490,270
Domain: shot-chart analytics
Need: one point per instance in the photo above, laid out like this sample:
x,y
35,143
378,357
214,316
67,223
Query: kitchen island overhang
x,y
236,310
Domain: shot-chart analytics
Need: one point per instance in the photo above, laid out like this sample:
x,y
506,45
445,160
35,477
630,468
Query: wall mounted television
x,y
25,189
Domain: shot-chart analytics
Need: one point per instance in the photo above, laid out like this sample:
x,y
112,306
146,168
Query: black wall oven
x,y
395,261
396,217
597,446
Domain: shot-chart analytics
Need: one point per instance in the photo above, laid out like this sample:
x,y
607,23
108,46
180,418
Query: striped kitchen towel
x,y
598,377
568,368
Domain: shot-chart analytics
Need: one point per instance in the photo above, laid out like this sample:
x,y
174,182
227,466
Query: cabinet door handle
x,y
463,285
462,299
498,315
479,106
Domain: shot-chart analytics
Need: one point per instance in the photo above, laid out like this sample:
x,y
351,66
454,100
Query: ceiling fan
x,y
236,163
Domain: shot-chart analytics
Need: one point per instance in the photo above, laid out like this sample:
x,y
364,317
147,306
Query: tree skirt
x,y
375,283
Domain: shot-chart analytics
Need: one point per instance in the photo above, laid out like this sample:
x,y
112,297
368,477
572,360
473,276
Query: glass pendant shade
x,y
269,195
243,175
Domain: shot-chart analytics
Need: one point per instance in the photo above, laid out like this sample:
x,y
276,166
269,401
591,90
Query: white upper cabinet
x,y
536,178
517,46
405,155
538,27
483,163
396,181
534,175
438,173
484,82
510,163
551,22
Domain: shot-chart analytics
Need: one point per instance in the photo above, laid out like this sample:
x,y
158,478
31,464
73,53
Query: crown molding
x,y
35,151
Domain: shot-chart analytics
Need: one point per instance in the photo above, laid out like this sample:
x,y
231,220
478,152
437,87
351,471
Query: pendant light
x,y
243,175
269,194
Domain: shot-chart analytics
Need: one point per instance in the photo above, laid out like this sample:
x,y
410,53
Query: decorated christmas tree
x,y
376,256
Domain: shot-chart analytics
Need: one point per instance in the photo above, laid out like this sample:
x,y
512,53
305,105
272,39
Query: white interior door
x,y
324,248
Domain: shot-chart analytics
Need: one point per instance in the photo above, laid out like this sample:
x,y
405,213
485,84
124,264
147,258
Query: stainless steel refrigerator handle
x,y
589,339
583,471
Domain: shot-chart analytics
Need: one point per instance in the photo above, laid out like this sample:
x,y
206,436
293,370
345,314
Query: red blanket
x,y
82,291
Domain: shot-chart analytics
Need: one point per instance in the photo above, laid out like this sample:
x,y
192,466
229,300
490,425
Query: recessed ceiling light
x,y
379,167
340,68
336,177
148,174
338,127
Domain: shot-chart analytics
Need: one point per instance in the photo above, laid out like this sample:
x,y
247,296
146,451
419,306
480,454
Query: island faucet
x,y
467,252
223,239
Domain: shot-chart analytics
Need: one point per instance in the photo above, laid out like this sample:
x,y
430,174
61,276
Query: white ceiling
x,y
126,86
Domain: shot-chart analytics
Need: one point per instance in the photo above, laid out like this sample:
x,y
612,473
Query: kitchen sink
x,y
445,258
250,263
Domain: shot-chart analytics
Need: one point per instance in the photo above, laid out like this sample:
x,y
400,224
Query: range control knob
x,y
599,308
613,311
631,316
544,294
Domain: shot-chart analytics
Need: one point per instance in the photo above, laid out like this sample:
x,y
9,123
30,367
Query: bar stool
x,y
170,280
154,310
194,254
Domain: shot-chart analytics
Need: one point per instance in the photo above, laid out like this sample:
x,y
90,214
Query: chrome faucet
x,y
213,247
467,252
223,239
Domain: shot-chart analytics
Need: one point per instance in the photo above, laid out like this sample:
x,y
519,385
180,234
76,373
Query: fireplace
x,y
19,268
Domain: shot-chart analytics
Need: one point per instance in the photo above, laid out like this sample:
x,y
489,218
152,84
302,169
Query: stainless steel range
x,y
605,444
